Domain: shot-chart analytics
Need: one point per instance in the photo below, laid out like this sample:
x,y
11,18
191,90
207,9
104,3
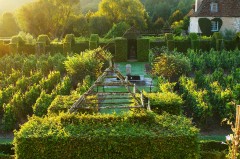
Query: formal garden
x,y
191,83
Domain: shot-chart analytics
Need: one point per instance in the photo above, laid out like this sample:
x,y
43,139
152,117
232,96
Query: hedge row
x,y
144,135
121,50
213,150
143,47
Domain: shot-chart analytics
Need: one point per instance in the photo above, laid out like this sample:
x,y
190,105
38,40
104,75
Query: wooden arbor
x,y
111,90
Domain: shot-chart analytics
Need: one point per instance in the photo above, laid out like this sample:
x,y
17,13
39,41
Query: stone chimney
x,y
197,4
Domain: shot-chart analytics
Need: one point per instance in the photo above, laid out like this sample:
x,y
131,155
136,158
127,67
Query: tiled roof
x,y
226,8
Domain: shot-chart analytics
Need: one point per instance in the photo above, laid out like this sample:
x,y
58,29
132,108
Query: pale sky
x,y
11,5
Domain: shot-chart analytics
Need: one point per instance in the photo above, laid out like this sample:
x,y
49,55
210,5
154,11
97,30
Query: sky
x,y
11,5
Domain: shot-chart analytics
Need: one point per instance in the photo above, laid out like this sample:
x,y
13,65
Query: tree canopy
x,y
129,11
47,16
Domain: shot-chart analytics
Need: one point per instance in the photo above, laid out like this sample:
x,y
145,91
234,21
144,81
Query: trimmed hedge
x,y
55,48
69,38
168,102
182,45
67,47
4,50
93,42
168,36
43,39
230,44
213,150
205,45
171,45
27,49
158,44
144,135
80,47
6,148
143,47
121,50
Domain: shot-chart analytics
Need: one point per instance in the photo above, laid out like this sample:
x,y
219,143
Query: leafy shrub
x,y
90,62
193,36
167,101
43,102
171,66
107,136
62,104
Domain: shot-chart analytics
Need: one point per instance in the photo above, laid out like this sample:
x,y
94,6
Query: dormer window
x,y
214,7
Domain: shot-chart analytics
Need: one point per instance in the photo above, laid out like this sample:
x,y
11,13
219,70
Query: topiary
x,y
43,39
69,38
205,26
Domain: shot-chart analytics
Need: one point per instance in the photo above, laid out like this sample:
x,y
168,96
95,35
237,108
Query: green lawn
x,y
5,140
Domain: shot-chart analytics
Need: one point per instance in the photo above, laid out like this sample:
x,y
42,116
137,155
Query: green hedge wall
x,y
157,44
205,45
93,42
230,44
67,48
168,36
213,150
69,38
168,102
43,39
182,45
108,46
27,49
121,50
4,50
143,46
171,45
195,44
144,135
55,48
6,148
80,47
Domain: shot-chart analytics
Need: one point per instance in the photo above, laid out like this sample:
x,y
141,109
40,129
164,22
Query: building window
x,y
214,26
214,7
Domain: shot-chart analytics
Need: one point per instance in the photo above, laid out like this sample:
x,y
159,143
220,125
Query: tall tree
x,y
8,26
50,17
129,11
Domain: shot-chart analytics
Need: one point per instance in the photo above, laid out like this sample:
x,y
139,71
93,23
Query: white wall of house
x,y
193,26
228,23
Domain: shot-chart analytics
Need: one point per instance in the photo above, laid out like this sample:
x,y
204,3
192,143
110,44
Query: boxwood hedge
x,y
121,50
143,135
143,47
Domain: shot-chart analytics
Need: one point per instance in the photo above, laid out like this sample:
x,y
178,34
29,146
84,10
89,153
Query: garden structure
x,y
97,99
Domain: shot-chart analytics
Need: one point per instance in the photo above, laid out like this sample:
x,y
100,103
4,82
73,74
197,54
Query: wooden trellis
x,y
99,99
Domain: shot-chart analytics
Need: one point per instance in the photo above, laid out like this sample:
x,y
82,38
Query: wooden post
x,y
134,88
235,142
